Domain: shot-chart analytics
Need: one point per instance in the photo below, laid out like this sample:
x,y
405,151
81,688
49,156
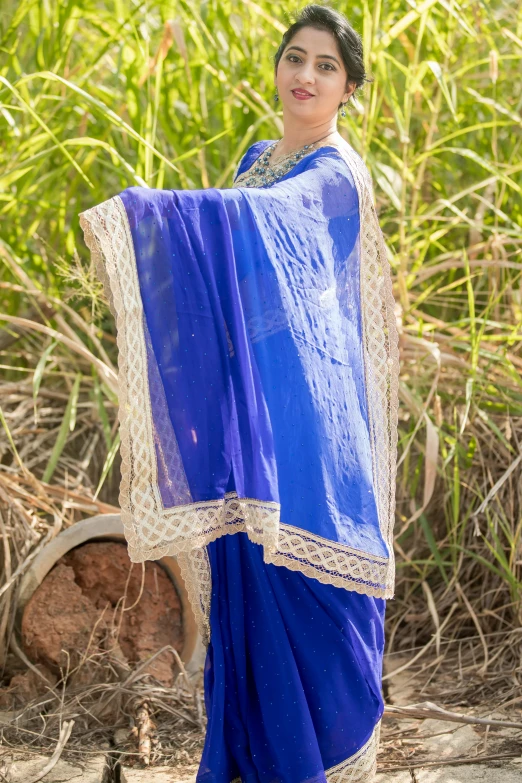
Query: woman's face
x,y
311,64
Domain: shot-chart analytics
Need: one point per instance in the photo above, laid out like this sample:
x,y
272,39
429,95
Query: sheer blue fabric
x,y
251,301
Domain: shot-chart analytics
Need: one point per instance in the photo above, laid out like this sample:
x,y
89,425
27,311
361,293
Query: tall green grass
x,y
95,97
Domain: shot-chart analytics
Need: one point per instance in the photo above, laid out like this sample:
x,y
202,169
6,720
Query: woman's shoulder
x,y
347,158
252,153
334,157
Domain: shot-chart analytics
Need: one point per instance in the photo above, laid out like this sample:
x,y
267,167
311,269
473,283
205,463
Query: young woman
x,y
258,375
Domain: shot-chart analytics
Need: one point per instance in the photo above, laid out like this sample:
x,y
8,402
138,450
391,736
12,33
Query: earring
x,y
276,96
343,113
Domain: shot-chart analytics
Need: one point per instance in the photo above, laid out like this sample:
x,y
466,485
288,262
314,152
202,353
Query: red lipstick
x,y
301,95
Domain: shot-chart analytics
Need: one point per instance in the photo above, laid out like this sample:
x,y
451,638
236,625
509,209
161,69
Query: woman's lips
x,y
301,95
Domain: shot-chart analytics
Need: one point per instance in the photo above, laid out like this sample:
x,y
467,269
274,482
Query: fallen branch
x,y
451,761
427,709
65,733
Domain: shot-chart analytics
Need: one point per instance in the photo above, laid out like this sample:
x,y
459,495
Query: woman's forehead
x,y
312,40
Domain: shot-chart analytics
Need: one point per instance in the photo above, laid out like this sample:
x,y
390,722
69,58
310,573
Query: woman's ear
x,y
350,89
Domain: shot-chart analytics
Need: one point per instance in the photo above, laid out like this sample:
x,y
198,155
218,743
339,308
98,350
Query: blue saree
x,y
258,377
292,674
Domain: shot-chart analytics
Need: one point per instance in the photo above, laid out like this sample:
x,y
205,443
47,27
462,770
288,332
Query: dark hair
x,y
348,40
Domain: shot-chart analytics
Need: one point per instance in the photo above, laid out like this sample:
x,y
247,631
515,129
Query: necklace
x,y
262,173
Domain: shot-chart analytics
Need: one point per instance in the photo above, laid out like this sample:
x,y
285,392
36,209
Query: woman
x,y
258,373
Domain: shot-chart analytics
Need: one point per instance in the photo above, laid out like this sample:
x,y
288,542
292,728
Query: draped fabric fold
x,y
258,371
292,675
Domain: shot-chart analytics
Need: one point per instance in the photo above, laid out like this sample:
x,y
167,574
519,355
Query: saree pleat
x,y
292,674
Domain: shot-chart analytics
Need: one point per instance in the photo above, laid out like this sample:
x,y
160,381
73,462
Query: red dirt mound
x,y
78,607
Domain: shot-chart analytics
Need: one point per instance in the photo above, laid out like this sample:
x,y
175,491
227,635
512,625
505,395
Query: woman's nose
x,y
306,75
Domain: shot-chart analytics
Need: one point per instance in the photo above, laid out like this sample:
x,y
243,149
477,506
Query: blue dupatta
x,y
258,371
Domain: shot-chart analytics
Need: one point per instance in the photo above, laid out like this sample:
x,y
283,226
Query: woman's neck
x,y
294,139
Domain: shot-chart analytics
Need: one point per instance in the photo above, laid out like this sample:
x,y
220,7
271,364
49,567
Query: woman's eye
x,y
298,59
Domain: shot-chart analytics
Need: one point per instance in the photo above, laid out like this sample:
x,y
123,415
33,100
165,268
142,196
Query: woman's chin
x,y
300,108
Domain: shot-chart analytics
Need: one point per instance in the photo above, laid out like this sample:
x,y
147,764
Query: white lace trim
x,y
195,572
381,352
153,531
329,562
362,766
296,549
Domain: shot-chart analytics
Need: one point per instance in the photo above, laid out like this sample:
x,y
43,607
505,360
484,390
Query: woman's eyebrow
x,y
328,56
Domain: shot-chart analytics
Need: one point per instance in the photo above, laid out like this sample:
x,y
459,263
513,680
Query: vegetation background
x,y
97,96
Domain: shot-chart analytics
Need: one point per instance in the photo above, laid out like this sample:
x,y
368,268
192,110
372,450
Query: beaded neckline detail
x,y
261,174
